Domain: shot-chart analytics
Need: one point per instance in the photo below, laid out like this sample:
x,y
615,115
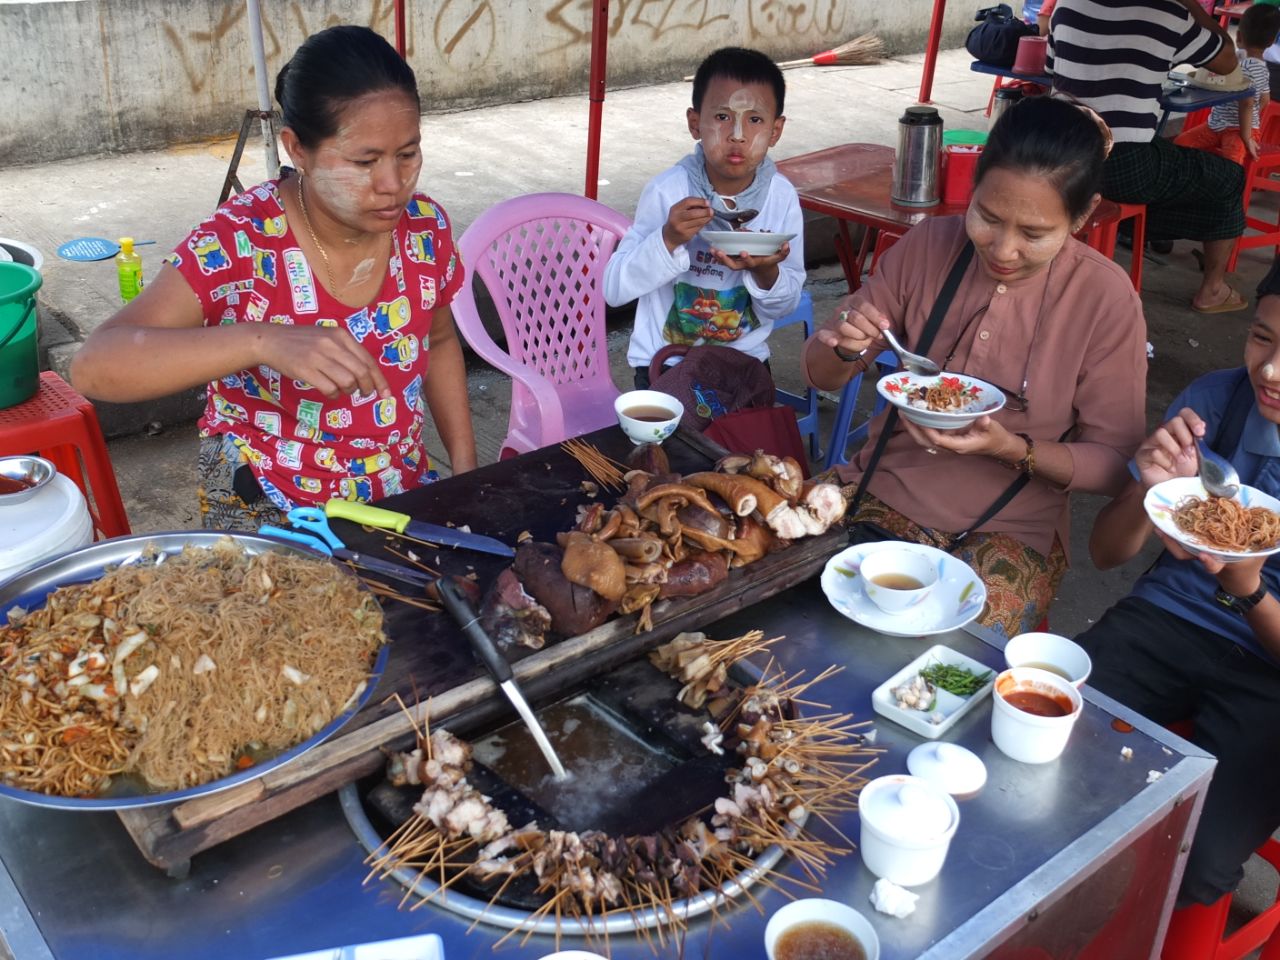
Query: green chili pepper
x,y
961,681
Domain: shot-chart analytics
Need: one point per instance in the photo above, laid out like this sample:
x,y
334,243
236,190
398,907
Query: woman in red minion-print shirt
x,y
310,305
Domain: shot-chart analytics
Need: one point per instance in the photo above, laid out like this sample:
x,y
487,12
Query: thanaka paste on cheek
x,y
1268,371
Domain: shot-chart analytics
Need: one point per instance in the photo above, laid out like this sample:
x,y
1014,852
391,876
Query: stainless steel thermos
x,y
915,166
1005,98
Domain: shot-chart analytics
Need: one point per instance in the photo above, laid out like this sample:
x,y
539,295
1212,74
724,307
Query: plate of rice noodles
x,y
945,401
155,668
1239,528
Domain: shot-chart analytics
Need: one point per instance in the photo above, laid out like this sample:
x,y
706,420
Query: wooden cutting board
x,y
431,668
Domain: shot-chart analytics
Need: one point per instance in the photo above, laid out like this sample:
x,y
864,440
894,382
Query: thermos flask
x,y
1005,98
915,166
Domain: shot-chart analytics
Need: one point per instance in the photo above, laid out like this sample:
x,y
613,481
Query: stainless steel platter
x,y
29,590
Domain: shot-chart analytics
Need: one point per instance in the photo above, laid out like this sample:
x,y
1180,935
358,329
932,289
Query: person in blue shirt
x,y
1198,639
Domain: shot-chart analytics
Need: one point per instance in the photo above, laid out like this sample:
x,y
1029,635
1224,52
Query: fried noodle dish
x,y
1225,524
178,670
947,395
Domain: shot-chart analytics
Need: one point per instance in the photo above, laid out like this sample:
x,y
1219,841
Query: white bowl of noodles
x,y
1183,510
945,401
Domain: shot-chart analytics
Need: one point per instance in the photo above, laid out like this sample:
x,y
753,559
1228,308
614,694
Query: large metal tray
x,y
29,590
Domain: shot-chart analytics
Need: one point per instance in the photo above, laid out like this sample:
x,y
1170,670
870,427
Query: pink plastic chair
x,y
542,258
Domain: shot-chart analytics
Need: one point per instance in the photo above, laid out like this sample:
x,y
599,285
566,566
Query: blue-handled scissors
x,y
322,539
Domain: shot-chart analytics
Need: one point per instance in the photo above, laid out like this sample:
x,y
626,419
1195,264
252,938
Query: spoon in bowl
x,y
1216,473
913,362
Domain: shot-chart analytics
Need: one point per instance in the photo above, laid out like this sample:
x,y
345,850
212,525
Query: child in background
x,y
1232,130
690,292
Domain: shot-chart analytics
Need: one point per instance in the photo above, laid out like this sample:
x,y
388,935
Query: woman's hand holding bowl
x,y
1170,451
328,358
855,326
984,436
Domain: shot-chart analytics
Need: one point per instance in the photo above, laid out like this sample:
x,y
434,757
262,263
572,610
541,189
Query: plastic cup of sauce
x,y
1032,714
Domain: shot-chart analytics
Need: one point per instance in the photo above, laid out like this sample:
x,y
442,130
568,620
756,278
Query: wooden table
x,y
851,183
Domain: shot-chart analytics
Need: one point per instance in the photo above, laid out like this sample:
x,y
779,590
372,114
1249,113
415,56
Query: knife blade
x,y
388,568
403,523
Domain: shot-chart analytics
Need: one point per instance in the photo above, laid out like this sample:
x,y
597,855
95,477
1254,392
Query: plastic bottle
x,y
128,270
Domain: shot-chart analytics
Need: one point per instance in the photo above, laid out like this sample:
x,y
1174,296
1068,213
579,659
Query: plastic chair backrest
x,y
542,259
1269,124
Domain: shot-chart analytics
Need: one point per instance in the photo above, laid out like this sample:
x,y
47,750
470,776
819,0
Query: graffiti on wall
x,y
202,51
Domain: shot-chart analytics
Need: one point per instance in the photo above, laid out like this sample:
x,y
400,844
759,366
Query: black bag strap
x,y
1231,427
931,326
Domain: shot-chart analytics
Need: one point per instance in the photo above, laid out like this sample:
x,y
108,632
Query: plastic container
x,y
959,164
53,522
1032,55
128,270
818,910
1028,737
1048,651
964,138
19,333
907,826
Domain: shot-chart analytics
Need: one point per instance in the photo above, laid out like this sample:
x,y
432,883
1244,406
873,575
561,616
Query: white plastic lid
x,y
906,808
956,769
51,522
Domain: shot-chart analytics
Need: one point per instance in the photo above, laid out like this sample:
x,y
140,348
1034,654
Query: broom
x,y
857,52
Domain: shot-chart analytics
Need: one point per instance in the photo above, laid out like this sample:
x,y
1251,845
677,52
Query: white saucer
x,y
958,597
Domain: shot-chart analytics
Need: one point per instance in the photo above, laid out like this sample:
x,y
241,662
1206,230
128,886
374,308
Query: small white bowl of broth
x,y
818,929
1032,714
1048,651
897,580
648,416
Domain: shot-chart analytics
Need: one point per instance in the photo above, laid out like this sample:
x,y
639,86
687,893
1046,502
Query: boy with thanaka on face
x,y
689,290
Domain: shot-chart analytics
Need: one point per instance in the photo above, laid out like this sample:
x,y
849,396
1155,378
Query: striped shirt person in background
x,y
1114,55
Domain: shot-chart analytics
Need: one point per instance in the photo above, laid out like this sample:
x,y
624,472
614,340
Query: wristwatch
x,y
1241,605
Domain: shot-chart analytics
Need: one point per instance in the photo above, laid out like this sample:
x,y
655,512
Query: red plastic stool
x,y
1101,230
1196,932
62,426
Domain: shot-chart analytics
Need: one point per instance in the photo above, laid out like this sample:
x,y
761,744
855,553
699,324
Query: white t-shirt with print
x,y
686,296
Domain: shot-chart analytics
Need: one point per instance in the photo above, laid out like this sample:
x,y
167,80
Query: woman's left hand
x,y
984,436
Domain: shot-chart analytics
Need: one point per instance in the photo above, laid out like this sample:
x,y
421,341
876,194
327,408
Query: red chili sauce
x,y
1039,704
12,485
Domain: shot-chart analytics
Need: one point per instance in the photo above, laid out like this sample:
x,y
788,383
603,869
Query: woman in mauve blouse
x,y
1054,324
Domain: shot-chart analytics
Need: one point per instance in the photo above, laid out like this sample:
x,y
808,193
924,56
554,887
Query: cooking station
x,y
1082,850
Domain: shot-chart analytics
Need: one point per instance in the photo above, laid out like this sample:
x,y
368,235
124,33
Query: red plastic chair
x,y
1257,176
62,426
542,258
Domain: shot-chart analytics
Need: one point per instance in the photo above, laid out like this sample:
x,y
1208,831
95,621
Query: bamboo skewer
x,y
606,471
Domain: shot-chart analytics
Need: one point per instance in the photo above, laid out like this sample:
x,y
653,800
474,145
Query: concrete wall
x,y
98,76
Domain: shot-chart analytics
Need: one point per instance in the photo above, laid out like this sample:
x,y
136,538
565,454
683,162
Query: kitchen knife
x,y
461,610
388,568
403,523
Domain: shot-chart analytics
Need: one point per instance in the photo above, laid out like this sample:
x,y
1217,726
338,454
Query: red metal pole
x,y
931,50
400,28
599,49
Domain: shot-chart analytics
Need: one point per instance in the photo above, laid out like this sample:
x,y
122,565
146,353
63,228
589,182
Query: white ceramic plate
x,y
958,597
757,244
1162,499
949,707
984,399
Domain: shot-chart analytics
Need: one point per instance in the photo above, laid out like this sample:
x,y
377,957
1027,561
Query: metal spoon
x,y
1216,473
735,218
910,361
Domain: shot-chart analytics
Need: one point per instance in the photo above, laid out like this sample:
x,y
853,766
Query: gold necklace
x,y
302,202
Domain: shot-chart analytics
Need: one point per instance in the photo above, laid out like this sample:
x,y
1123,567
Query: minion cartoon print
x,y
698,314
359,325
402,353
264,265
421,247
390,317
210,256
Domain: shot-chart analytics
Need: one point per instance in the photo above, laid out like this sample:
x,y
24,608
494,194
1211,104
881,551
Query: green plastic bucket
x,y
19,357
966,138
